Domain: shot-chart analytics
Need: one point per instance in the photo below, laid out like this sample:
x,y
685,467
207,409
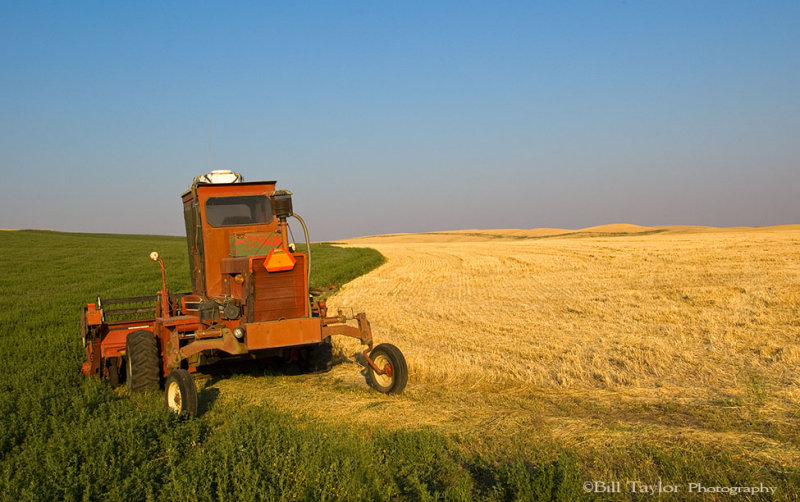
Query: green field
x,y
65,437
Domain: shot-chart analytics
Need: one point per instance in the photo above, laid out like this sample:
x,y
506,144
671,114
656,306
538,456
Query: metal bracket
x,y
387,369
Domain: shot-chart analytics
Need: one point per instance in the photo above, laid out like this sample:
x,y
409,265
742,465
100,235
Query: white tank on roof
x,y
219,176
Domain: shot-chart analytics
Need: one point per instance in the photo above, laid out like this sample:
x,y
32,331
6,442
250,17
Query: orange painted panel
x,y
94,317
266,335
114,342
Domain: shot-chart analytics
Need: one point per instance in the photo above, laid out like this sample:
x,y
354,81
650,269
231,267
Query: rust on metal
x,y
337,326
253,243
227,342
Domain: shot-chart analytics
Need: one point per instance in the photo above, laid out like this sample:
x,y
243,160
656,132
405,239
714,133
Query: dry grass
x,y
646,312
483,235
686,336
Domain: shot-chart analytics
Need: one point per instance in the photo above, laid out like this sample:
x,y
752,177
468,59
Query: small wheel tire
x,y
143,362
384,355
180,393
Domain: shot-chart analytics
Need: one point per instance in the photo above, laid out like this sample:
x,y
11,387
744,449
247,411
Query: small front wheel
x,y
181,393
394,373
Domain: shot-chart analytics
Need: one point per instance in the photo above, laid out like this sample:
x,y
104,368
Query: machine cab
x,y
231,232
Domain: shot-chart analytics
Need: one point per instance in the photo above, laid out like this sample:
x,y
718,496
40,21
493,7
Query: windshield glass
x,y
235,211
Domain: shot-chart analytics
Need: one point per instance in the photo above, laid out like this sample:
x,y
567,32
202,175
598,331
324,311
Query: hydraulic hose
x,y
308,252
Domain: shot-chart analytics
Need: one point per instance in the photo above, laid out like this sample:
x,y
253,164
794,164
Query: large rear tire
x,y
394,381
180,393
144,368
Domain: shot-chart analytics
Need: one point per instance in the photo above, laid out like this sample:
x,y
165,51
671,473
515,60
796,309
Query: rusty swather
x,y
250,300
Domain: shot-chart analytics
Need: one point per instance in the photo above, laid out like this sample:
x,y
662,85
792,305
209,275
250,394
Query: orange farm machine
x,y
250,300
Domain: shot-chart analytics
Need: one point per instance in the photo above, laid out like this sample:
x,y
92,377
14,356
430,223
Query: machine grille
x,y
280,295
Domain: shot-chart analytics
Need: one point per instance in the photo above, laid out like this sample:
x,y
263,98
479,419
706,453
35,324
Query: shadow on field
x,y
361,361
206,399
210,375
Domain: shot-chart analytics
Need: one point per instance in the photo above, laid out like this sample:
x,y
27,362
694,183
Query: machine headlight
x,y
238,333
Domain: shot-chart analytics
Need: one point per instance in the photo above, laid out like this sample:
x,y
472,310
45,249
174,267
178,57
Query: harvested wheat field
x,y
596,340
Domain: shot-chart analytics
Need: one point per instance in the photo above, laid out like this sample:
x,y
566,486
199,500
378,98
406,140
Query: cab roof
x,y
243,183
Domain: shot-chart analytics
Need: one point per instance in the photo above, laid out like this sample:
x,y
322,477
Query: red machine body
x,y
250,295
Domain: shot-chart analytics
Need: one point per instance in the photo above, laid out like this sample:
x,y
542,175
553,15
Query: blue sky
x,y
403,117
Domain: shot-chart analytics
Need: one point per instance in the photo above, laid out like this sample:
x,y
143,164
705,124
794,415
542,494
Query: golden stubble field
x,y
594,340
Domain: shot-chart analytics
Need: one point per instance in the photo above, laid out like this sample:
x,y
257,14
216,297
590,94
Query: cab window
x,y
236,211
